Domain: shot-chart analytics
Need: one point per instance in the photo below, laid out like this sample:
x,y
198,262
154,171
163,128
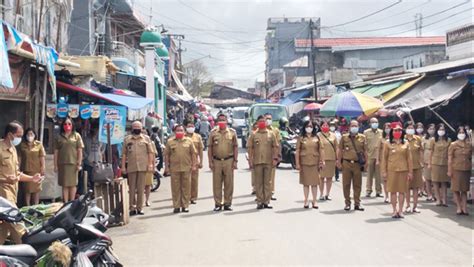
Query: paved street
x,y
289,234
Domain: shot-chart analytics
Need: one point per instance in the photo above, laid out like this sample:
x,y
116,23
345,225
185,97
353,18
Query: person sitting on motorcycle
x,y
204,130
285,131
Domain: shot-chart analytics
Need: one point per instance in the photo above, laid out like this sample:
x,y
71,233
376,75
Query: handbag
x,y
360,156
102,173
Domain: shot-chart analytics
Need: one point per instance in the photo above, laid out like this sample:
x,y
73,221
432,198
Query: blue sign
x,y
5,74
85,111
115,118
62,110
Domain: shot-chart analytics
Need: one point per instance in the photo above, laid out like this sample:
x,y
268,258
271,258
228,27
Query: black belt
x,y
351,161
229,157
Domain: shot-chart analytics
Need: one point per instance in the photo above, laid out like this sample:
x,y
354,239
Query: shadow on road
x,y
241,212
383,220
156,216
163,208
246,203
198,214
337,212
293,210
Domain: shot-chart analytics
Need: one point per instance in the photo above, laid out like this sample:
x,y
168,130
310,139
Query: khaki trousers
x,y
263,182
223,179
194,184
253,181
351,174
181,189
136,187
16,231
273,179
373,172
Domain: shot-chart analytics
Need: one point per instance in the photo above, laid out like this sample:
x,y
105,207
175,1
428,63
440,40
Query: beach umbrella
x,y
350,104
312,107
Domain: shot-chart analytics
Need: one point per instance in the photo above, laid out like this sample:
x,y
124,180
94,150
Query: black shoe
x,y
273,198
306,206
218,208
378,195
140,212
133,212
176,210
260,206
267,206
253,193
359,208
227,208
193,202
328,198
347,208
368,195
184,210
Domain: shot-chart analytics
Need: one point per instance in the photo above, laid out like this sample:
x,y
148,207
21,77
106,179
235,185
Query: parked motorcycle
x,y
288,150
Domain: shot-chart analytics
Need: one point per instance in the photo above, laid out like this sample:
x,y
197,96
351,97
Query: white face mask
x,y
461,136
419,130
354,130
332,129
190,130
309,129
411,131
268,122
441,133
16,141
30,138
387,131
375,125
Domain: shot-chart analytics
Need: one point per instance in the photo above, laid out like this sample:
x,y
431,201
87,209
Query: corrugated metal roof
x,y
445,65
378,90
372,41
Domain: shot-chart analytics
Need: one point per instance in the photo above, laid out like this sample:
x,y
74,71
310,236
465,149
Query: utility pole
x,y
179,38
418,24
313,60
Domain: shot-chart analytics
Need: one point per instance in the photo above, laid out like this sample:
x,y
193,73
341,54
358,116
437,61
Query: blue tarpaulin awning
x,y
295,96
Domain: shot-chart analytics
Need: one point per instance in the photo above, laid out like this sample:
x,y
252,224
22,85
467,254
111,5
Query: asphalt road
x,y
289,234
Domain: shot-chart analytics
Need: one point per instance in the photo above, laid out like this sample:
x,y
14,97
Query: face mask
x,y
190,130
375,125
387,131
268,122
419,130
30,138
397,135
16,141
262,125
354,130
222,124
308,129
441,133
136,131
325,129
332,129
411,131
67,128
431,132
461,136
179,135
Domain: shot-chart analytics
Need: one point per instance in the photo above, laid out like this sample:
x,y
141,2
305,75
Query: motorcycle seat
x,y
44,237
18,251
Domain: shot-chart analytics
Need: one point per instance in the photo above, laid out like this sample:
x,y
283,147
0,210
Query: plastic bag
x,y
82,260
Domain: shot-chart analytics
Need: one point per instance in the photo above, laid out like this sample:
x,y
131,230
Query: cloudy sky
x,y
228,35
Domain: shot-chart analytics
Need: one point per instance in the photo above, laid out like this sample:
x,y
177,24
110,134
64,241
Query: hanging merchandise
x,y
51,110
114,117
73,111
62,110
85,111
5,74
95,109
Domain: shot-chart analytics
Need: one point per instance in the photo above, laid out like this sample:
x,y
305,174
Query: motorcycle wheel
x,y
293,162
156,181
244,143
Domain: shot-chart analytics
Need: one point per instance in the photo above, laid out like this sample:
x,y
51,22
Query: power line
x,y
366,16
230,43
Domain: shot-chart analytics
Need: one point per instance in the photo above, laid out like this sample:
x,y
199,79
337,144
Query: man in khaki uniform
x,y
137,159
276,132
9,177
373,137
351,144
223,156
197,141
263,156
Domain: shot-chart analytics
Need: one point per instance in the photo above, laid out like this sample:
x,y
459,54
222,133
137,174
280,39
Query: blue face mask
x,y
375,125
354,130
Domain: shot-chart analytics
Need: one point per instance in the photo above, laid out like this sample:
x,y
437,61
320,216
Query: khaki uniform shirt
x,y
67,148
261,145
416,148
348,151
373,142
439,152
223,143
8,166
136,148
329,142
397,158
180,153
426,149
30,157
309,150
198,145
461,155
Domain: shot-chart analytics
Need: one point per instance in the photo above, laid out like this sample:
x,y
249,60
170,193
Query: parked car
x,y
238,122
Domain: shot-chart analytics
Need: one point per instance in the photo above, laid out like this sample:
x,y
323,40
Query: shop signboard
x,y
5,74
74,111
114,117
62,110
85,111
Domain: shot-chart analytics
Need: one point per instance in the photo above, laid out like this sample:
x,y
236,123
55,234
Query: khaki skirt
x,y
329,169
67,175
439,173
32,187
426,172
417,181
397,182
148,178
460,181
309,175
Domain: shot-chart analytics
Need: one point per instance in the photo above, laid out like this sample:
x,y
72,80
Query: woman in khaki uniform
x,y
426,141
385,139
180,160
198,144
32,156
328,139
459,169
397,167
309,159
68,158
439,165
416,183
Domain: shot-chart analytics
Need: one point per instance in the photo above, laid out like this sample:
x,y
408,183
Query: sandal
x,y
444,205
400,215
408,209
465,213
430,199
415,210
459,213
